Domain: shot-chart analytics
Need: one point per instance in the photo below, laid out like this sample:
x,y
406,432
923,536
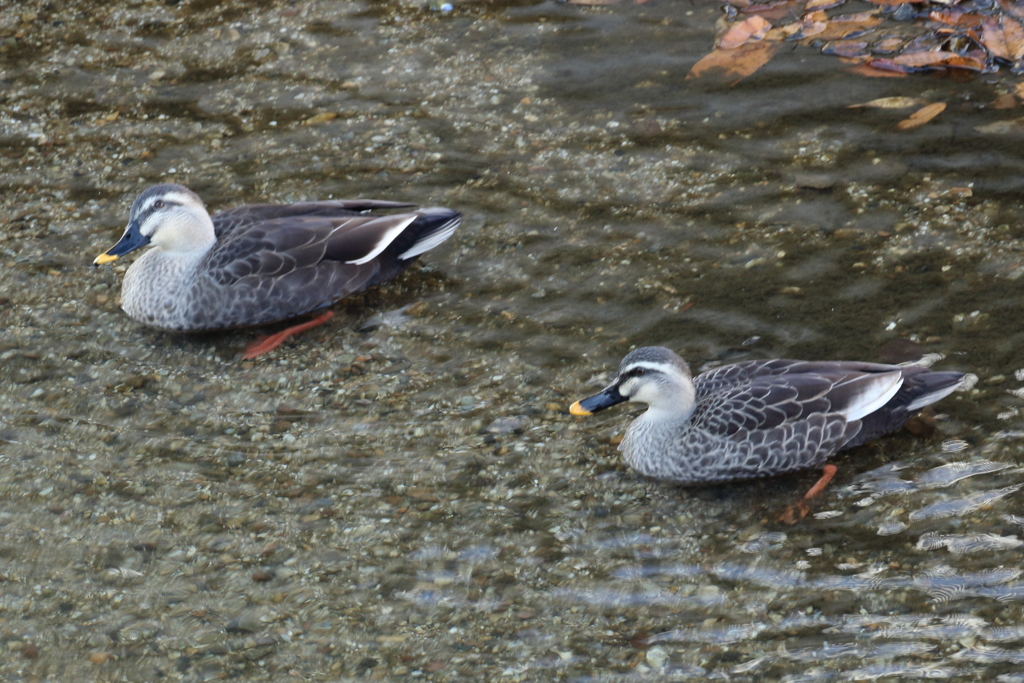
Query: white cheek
x,y
158,237
166,233
649,392
629,389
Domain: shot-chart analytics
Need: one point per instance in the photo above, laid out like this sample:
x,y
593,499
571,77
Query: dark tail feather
x,y
431,227
436,224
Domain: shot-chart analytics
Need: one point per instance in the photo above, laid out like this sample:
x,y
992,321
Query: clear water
x,y
340,509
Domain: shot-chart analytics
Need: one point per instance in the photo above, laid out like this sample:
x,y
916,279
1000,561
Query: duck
x,y
263,263
759,418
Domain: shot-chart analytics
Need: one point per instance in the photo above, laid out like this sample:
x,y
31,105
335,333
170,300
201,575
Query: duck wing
x,y
737,374
239,218
279,267
785,422
762,403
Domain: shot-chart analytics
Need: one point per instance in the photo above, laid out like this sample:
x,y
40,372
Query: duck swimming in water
x,y
758,418
262,263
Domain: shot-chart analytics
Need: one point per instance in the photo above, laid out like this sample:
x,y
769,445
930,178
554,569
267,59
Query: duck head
x,y
170,217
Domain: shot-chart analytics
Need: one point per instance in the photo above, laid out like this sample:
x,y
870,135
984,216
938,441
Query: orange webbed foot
x,y
271,342
794,513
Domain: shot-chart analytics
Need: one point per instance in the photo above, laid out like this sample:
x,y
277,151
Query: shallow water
x,y
401,493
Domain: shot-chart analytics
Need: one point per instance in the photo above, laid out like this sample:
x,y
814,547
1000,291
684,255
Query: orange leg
x,y
827,473
264,344
794,513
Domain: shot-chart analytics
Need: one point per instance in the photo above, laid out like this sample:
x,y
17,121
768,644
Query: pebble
x,y
504,425
656,657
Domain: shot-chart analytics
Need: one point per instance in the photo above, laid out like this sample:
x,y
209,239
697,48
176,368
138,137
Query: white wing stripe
x,y
387,238
874,394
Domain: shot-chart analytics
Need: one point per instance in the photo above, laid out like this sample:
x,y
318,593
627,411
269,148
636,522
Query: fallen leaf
x,y
1012,8
890,103
732,66
970,62
956,17
823,4
994,39
845,25
810,29
939,59
743,32
846,48
1004,101
1002,127
1003,38
323,117
881,68
887,45
922,116
773,11
780,34
917,60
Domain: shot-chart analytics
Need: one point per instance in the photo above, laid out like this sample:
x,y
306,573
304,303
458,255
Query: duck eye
x,y
639,372
158,204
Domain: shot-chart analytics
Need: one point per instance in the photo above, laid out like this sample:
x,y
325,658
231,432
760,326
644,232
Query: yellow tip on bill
x,y
104,258
577,409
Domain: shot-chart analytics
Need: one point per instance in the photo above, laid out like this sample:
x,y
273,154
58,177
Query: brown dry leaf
x,y
890,103
773,11
1013,33
732,66
1003,38
810,29
823,4
780,34
973,61
1004,101
955,17
1012,8
994,39
939,58
750,29
887,45
1018,90
922,116
917,60
850,49
872,72
809,25
322,117
845,24
1002,127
